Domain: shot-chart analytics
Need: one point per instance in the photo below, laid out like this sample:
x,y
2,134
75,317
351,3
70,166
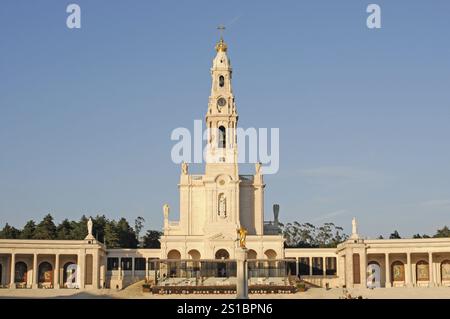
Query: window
x,y
317,266
303,266
139,263
222,137
221,81
127,263
331,266
113,264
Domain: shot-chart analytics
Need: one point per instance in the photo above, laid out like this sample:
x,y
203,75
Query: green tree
x,y
64,230
138,225
111,236
28,230
98,227
444,232
46,229
151,239
9,232
127,236
394,235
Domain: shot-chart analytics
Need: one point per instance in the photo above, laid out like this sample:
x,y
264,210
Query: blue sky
x,y
86,115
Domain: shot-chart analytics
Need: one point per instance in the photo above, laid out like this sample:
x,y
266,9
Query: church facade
x,y
213,206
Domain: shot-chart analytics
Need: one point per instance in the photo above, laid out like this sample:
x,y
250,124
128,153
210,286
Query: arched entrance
x,y
398,271
174,265
222,254
271,255
20,273
45,276
445,270
373,275
193,267
251,254
422,271
70,275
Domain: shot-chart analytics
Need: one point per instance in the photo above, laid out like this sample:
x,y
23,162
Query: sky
x,y
364,114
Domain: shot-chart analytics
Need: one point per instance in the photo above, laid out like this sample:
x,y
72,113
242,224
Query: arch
x,y
422,271
222,254
251,254
174,254
20,272
398,271
45,272
270,254
222,137
373,275
445,270
221,81
69,274
194,254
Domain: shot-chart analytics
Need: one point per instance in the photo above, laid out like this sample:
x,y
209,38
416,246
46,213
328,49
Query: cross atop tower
x,y
221,29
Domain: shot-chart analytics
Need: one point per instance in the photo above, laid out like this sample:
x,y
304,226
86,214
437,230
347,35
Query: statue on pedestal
x,y
89,227
258,168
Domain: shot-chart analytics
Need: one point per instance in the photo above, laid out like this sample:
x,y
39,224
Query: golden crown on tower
x,y
221,46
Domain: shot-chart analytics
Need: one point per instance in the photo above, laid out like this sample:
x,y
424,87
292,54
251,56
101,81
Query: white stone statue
x,y
89,226
354,229
184,168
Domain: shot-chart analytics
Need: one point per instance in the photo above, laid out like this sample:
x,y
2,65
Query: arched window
x,y
222,137
20,274
45,272
221,81
398,271
422,271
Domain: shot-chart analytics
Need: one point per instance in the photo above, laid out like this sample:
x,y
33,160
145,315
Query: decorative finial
x,y
221,46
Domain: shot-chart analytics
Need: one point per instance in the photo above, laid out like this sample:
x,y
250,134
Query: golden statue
x,y
242,235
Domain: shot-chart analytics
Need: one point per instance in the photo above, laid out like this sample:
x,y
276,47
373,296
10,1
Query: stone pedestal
x,y
242,274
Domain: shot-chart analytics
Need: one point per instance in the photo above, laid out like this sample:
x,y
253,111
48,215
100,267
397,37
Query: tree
x,y
28,230
417,236
444,232
394,235
307,235
98,228
380,237
46,229
151,239
64,230
111,237
127,236
138,225
9,232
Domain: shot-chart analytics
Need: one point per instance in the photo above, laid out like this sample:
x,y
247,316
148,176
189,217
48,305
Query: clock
x,y
221,102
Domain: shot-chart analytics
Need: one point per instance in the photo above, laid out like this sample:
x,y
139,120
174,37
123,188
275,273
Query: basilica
x,y
200,248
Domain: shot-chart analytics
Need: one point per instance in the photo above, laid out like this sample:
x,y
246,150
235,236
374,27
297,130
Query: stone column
x,y
132,268
297,268
82,268
120,268
363,268
95,270
387,270
324,266
310,266
12,284
430,268
34,284
57,271
409,282
146,268
242,278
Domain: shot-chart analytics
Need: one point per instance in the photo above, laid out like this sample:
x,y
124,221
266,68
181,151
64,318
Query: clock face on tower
x,y
221,102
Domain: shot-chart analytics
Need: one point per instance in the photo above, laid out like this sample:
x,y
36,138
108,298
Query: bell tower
x,y
221,117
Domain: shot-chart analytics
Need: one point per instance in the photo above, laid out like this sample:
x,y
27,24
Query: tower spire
x,y
221,46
